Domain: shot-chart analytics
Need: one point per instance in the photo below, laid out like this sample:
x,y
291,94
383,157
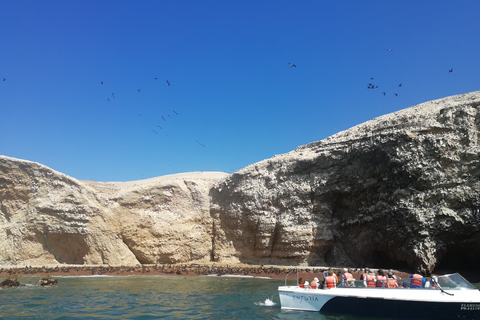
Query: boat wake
x,y
266,303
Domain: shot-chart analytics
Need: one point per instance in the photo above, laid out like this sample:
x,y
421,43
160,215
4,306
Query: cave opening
x,y
382,260
465,262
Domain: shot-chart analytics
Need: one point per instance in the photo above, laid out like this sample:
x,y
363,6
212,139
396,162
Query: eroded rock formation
x,y
47,217
401,190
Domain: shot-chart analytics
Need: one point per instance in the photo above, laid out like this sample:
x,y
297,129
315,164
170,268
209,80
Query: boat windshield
x,y
454,281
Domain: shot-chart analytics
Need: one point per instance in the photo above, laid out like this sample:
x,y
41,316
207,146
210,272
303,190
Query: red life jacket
x,y
348,275
314,284
330,282
381,281
301,285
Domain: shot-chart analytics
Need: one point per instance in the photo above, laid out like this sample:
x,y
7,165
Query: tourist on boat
x,y
368,278
381,279
392,279
306,285
301,283
418,281
346,275
330,281
392,273
314,283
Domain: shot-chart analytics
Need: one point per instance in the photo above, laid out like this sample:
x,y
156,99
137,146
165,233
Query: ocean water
x,y
151,297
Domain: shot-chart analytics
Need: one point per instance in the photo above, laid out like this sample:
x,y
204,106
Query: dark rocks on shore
x,y
10,283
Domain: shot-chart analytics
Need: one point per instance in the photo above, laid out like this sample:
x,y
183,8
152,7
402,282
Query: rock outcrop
x,y
47,217
401,190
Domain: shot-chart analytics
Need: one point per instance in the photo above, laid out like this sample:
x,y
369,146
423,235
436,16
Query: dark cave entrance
x,y
466,262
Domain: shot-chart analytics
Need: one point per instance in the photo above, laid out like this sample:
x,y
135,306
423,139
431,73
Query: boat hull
x,y
396,303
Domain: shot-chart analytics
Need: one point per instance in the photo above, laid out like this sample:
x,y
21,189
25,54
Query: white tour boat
x,y
442,297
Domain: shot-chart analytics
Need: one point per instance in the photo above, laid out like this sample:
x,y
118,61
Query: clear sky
x,y
233,97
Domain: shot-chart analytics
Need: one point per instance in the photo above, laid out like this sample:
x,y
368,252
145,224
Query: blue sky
x,y
233,98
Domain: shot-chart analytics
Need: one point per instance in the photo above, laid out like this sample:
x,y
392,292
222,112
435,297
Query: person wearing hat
x,y
345,276
314,284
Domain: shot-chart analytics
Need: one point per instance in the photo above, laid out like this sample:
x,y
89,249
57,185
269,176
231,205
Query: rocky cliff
x,y
401,190
47,217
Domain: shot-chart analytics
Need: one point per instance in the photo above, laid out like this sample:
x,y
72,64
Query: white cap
x,y
345,269
315,279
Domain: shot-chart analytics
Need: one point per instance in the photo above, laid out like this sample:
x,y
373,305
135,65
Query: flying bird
x,y
168,82
175,112
159,127
383,93
113,95
163,118
108,99
156,78
4,79
155,131
101,82
396,94
451,70
389,50
200,143
400,85
138,90
292,65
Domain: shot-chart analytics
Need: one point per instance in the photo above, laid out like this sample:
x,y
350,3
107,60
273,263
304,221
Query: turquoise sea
x,y
150,297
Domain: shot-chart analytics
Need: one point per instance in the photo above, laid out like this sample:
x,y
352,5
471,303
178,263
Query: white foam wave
x,y
266,303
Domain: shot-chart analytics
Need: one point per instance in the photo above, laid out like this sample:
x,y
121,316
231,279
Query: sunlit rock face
x,y
47,217
400,190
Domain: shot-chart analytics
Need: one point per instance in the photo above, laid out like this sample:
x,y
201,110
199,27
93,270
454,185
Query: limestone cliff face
x,y
47,217
400,190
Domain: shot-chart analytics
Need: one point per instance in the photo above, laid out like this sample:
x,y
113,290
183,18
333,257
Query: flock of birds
x,y
372,86
155,130
157,127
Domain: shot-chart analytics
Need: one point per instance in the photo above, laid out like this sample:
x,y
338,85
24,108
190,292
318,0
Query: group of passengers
x,y
330,280
370,280
380,280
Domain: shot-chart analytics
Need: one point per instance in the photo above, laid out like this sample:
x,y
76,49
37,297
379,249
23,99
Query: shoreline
x,y
190,270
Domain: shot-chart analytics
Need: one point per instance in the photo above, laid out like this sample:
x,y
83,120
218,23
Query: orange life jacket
x,y
330,282
301,285
314,284
348,275
370,280
381,281
416,281
392,283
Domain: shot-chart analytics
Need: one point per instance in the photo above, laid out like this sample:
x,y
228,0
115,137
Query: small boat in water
x,y
443,297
